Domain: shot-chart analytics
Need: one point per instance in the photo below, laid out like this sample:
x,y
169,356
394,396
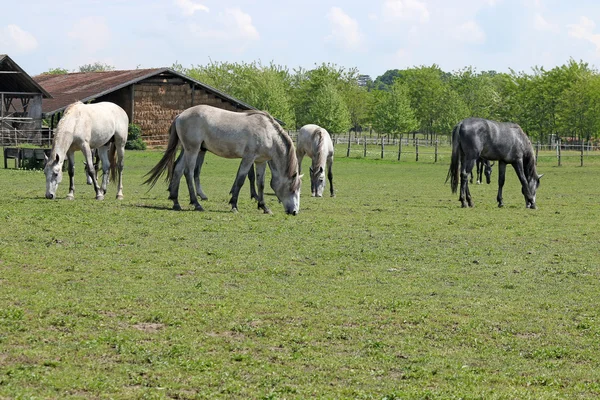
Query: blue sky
x,y
373,36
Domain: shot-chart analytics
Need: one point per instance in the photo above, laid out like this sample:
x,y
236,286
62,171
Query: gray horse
x,y
253,136
499,141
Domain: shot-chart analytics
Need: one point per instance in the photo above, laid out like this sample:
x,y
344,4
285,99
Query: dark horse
x,y
483,166
500,141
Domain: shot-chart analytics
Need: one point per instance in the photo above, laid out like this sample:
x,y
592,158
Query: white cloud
x,y
540,23
188,7
234,25
470,32
344,30
405,10
15,39
584,30
92,33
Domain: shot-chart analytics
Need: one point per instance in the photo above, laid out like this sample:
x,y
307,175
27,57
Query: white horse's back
x,y
96,124
315,142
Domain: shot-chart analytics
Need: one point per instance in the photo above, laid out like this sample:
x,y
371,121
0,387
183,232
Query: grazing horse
x,y
483,166
315,142
254,136
500,141
85,127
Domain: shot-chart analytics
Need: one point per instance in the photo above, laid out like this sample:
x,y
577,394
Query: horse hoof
x,y
234,210
176,207
100,197
120,197
70,197
198,208
500,205
267,211
203,198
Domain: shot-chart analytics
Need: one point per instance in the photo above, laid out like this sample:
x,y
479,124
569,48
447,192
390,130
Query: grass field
x,y
389,290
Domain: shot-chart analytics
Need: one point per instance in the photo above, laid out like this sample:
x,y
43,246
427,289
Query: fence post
x,y
582,145
365,144
348,151
417,149
558,150
436,150
382,146
537,150
400,147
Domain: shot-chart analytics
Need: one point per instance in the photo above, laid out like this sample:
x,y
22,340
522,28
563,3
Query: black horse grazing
x,y
500,141
480,164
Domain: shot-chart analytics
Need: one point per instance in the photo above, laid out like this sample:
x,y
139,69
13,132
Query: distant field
x,y
389,290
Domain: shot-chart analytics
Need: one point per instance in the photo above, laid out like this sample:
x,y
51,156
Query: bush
x,y
134,138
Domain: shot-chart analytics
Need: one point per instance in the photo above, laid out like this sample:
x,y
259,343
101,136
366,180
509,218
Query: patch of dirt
x,y
148,327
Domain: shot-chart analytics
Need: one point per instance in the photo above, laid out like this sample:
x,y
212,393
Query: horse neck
x,y
62,142
319,150
284,158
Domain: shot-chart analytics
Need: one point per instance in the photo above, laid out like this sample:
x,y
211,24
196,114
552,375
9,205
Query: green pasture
x,y
388,291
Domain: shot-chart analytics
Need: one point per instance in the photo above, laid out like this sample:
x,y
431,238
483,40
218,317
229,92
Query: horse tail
x,y
166,162
454,170
317,145
112,158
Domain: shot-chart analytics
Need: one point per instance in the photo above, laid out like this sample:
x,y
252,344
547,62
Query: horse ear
x,y
300,177
310,169
45,158
540,176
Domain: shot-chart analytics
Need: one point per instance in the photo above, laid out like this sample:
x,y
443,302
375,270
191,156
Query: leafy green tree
x,y
392,113
329,110
96,67
56,71
386,80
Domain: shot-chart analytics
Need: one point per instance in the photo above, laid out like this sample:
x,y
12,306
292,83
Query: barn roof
x,y
14,80
86,86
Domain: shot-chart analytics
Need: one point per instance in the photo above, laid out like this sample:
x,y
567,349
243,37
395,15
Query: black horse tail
x,y
112,158
454,170
166,162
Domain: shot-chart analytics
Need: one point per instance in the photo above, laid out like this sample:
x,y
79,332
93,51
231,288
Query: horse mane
x,y
63,125
287,141
528,156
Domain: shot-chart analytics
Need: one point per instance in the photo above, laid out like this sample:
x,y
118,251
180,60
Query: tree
x,y
56,71
392,113
329,110
96,67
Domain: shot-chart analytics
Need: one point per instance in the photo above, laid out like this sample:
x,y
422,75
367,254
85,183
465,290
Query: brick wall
x,y
157,105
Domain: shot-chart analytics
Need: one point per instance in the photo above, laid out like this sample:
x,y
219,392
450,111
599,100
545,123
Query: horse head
x,y
488,171
53,172
317,181
532,184
287,190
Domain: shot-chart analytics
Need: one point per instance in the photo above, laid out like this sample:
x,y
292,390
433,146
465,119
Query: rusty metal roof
x,y
87,86
14,80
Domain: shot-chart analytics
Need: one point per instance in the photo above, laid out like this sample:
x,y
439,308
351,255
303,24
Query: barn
x,y
20,105
151,97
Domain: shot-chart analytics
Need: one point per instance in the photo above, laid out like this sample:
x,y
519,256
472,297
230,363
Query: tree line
x,y
563,101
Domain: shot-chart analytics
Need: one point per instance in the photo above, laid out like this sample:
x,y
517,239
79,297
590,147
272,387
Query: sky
x,y
371,36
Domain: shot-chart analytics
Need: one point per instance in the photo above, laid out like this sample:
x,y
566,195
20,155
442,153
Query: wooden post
x,y
537,150
582,152
400,147
348,151
417,148
365,146
436,150
558,150
382,146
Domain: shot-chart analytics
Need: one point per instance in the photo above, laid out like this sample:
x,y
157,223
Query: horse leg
x,y
91,171
103,154
239,181
175,180
120,165
501,178
199,162
330,175
465,195
479,172
252,180
189,160
71,167
261,169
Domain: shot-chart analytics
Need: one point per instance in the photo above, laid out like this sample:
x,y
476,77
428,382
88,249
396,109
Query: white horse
x,y
253,136
315,142
84,127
